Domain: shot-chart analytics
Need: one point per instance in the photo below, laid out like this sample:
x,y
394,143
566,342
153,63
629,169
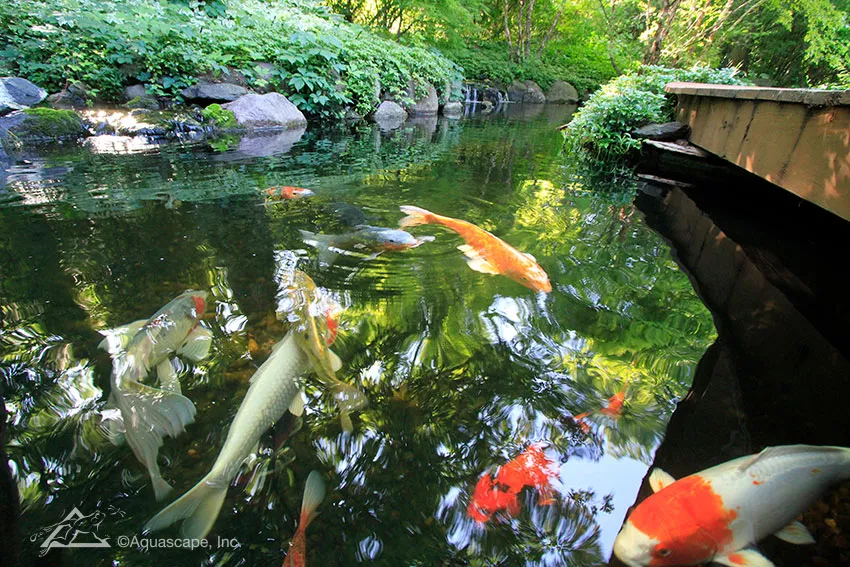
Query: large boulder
x,y
271,110
17,93
42,124
533,93
428,105
453,109
137,96
516,91
75,97
389,115
205,92
562,92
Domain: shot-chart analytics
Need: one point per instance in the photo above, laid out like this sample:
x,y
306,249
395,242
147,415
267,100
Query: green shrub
x,y
222,117
320,63
604,123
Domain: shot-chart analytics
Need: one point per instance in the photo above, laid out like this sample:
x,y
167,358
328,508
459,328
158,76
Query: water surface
x,y
463,370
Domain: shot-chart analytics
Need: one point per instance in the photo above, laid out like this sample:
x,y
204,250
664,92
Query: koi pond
x,y
470,377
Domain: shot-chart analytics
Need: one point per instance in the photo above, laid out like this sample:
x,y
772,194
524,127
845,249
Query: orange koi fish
x,y
615,405
485,253
531,468
287,192
314,493
718,514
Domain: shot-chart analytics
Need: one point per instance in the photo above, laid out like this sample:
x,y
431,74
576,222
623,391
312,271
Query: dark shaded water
x,y
463,370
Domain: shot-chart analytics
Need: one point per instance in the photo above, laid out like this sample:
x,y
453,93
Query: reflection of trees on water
x,y
462,370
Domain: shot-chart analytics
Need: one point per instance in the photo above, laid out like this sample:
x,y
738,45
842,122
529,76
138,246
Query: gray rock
x,y
74,97
662,132
516,91
486,107
389,115
17,93
427,105
533,94
137,96
561,92
213,92
271,110
45,125
453,109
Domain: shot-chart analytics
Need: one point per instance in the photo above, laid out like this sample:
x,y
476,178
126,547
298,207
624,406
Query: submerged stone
x,y
389,115
453,109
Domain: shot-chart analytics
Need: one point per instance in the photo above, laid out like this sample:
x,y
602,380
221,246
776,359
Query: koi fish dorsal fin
x,y
795,533
659,479
744,558
787,450
314,493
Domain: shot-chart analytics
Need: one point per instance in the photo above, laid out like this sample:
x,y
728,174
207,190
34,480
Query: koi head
x,y
288,192
685,523
534,277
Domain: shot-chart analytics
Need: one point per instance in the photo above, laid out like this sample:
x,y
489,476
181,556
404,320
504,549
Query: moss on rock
x,y
50,123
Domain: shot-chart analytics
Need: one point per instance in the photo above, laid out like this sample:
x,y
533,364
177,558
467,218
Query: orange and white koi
x,y
485,252
314,493
288,192
531,468
717,515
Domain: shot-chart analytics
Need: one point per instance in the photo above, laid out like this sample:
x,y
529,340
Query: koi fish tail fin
x,y
314,493
198,509
161,488
148,415
415,216
324,243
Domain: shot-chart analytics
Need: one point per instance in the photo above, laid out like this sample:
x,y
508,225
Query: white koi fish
x,y
275,386
717,515
148,413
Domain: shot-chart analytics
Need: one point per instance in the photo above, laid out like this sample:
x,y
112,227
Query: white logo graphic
x,y
76,530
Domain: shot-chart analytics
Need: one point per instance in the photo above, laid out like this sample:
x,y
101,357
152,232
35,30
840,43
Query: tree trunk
x,y
528,14
551,30
508,32
665,21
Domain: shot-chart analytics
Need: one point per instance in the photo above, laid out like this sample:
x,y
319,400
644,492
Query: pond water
x,y
463,371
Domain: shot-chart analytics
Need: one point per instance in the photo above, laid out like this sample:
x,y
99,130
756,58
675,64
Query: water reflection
x,y
463,371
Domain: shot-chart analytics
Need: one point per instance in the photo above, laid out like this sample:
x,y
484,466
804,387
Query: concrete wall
x,y
798,139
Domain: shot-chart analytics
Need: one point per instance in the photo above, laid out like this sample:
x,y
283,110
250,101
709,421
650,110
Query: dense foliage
x,y
321,63
603,125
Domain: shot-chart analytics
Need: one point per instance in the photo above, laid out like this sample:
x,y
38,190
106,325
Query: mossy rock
x,y
222,117
48,124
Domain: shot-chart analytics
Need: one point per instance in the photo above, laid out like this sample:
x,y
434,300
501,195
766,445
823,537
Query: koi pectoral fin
x,y
481,265
795,533
744,558
659,479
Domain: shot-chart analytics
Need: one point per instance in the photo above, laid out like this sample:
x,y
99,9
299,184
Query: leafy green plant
x,y
222,117
603,125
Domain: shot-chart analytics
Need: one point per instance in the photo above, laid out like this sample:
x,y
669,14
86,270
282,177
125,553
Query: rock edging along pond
x,y
229,108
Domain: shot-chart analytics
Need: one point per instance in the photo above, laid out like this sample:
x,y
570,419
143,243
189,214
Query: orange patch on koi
x,y
686,511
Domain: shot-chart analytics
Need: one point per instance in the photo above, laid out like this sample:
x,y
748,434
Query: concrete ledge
x,y
809,97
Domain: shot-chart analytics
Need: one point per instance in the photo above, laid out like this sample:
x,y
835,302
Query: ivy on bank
x,y
320,62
